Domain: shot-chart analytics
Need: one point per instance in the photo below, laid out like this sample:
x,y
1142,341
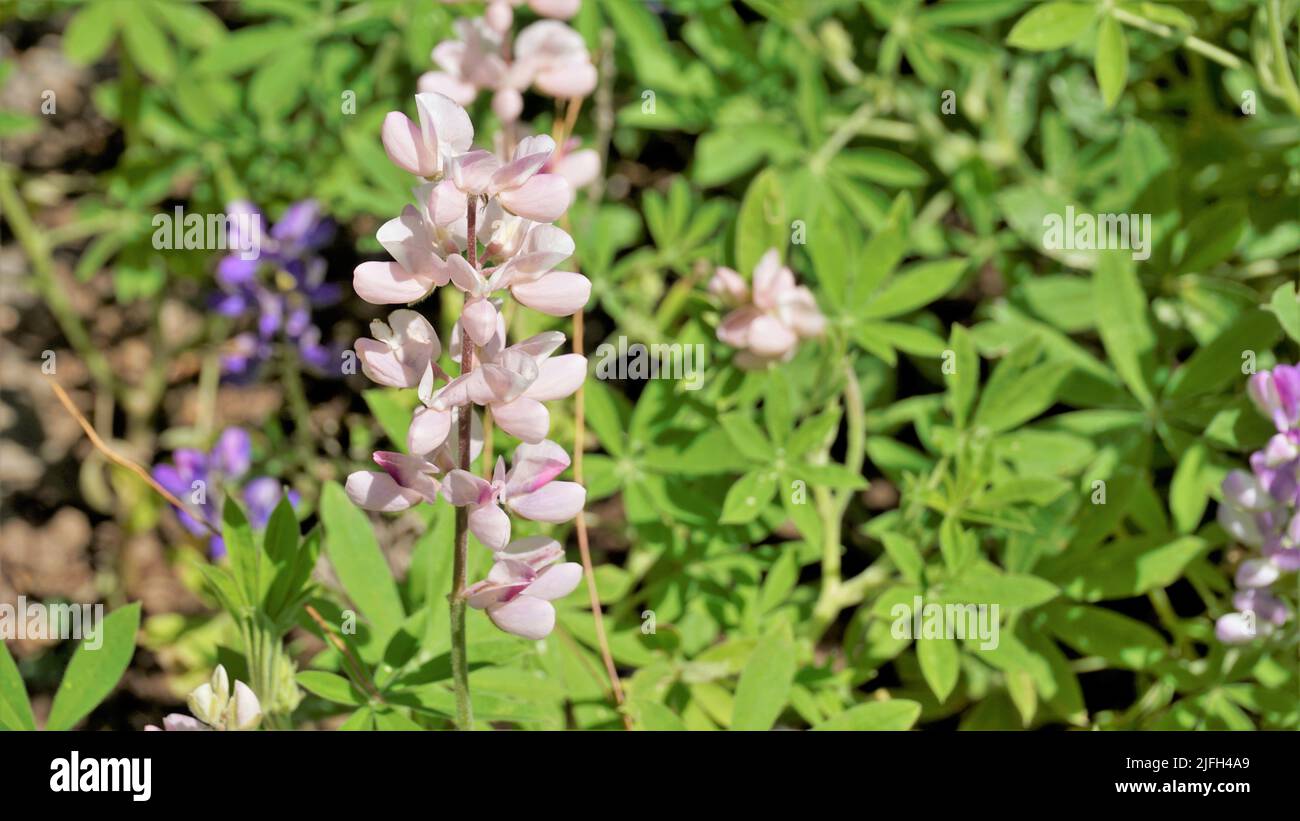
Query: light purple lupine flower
x,y
278,287
196,477
1261,509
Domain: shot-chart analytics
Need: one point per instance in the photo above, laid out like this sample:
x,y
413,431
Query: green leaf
x,y
914,287
149,47
392,409
1051,26
653,716
1218,364
748,437
15,710
761,223
1126,568
1188,489
748,497
1285,305
779,581
245,558
896,714
358,561
964,375
1121,308
1009,590
940,661
764,684
1096,631
905,554
90,31
331,687
1111,61
93,673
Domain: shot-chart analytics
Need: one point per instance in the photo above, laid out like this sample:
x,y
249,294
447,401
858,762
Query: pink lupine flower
x,y
515,381
547,54
531,251
420,240
445,131
404,350
527,489
556,58
579,167
408,479
527,576
767,323
534,249
516,185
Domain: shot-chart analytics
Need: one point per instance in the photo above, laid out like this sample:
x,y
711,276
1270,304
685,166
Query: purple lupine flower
x,y
197,478
1261,509
278,287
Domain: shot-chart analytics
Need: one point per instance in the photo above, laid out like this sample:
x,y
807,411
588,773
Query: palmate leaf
x,y
764,684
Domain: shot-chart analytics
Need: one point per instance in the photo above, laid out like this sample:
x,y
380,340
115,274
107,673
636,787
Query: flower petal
x,y
524,418
554,502
556,581
558,377
559,293
544,198
372,490
524,616
387,283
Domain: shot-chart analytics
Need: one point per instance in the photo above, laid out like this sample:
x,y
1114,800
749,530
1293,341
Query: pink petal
x,y
769,337
554,502
571,79
729,286
580,168
444,203
440,82
507,104
410,472
444,123
463,275
462,488
473,172
535,551
377,491
490,525
544,198
178,722
545,247
524,418
539,346
428,430
556,581
530,155
479,319
559,293
409,242
387,283
486,593
559,377
535,464
380,363
735,327
525,617
562,9
405,147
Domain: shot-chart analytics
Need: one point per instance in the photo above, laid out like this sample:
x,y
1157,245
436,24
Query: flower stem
x,y
459,662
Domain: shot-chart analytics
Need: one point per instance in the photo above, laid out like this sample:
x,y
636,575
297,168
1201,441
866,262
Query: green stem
x,y
1191,43
1278,43
54,294
298,406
